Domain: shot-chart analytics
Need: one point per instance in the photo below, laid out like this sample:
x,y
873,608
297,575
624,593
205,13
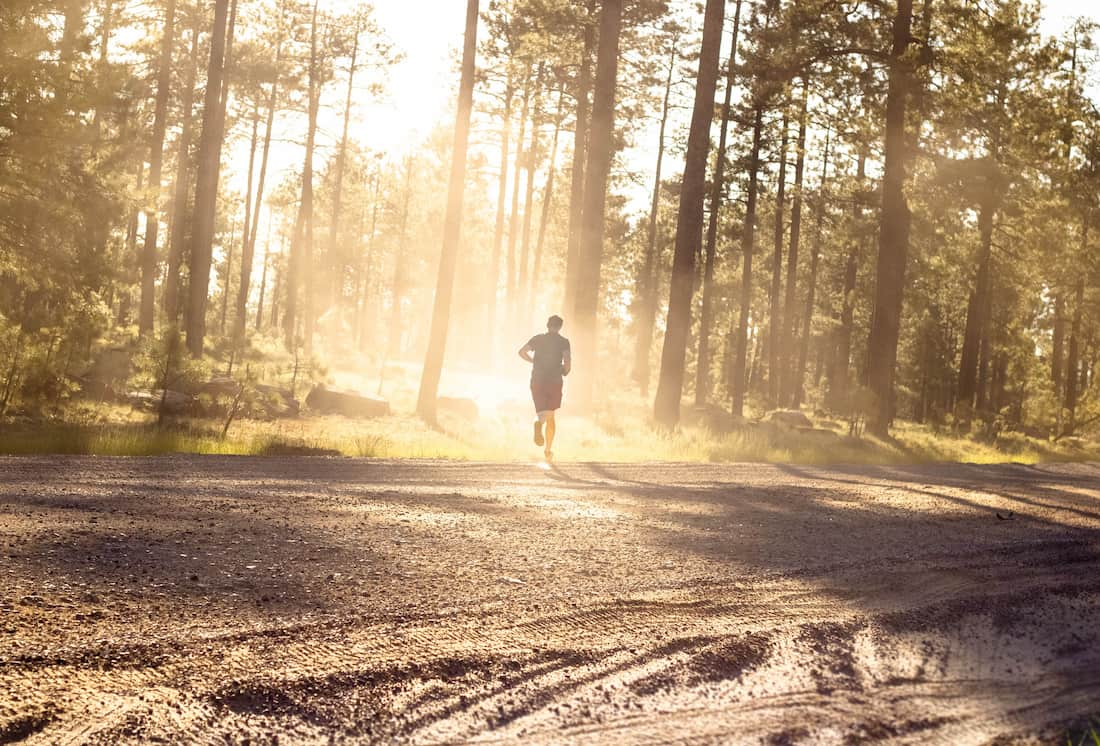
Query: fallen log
x,y
347,403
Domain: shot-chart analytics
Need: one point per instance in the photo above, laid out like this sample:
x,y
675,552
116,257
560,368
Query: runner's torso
x,y
549,352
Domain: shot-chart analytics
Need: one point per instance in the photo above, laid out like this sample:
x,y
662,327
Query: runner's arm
x,y
566,361
525,353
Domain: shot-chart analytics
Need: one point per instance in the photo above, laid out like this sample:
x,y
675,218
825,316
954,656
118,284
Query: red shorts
x,y
547,396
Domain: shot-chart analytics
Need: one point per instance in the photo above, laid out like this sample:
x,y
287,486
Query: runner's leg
x,y
551,430
540,414
539,419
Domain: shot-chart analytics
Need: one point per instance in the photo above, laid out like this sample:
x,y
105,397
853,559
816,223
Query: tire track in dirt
x,y
360,659
990,631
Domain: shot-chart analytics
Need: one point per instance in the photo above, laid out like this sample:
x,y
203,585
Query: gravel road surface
x,y
311,600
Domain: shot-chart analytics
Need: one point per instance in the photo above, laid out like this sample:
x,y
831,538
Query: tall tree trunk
x,y
646,318
811,285
547,198
227,65
228,282
748,240
1000,379
775,317
498,227
838,380
1073,359
882,343
790,300
511,286
580,156
206,184
985,352
601,147
131,252
531,158
441,311
301,241
248,251
70,34
362,281
102,66
147,306
361,325
927,360
337,264
689,222
975,311
1072,374
246,256
277,291
182,187
263,278
1058,352
398,289
706,319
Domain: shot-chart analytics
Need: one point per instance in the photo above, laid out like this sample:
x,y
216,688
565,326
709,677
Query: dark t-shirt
x,y
550,353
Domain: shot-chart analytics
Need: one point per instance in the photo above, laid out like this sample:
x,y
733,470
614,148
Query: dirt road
x,y
312,600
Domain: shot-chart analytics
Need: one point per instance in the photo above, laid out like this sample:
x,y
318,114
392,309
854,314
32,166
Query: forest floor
x,y
315,600
620,436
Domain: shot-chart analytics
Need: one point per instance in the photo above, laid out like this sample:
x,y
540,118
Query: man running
x,y
550,359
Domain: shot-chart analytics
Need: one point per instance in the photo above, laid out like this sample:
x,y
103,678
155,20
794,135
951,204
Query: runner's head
x,y
554,323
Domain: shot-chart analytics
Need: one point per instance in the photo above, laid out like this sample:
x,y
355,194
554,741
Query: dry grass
x,y
620,432
506,436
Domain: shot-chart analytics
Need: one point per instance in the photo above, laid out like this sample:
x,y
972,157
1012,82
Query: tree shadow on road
x,y
828,562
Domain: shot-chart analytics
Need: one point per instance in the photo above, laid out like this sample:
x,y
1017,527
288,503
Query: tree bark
x,y
748,241
131,252
580,156
547,198
839,371
689,222
70,33
511,285
811,285
263,278
790,301
337,264
246,256
985,354
441,311
706,320
206,184
1073,359
531,158
882,343
249,250
182,187
398,288
363,301
302,238
1058,352
975,311
102,67
228,282
646,318
775,320
601,148
277,288
147,305
498,227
